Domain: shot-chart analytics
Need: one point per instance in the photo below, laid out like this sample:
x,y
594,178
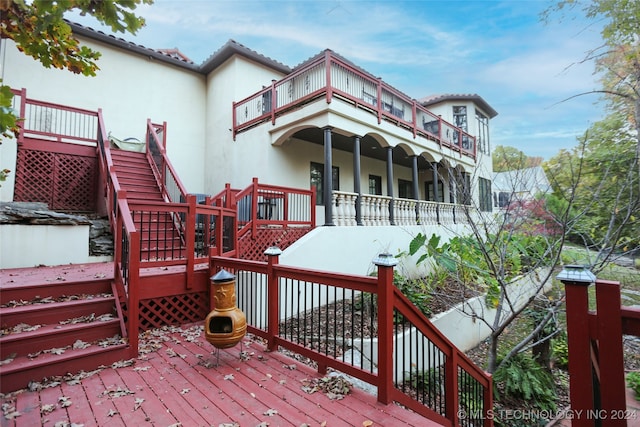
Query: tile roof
x,y
474,97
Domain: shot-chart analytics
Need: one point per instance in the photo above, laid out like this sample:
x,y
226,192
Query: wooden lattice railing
x,y
365,327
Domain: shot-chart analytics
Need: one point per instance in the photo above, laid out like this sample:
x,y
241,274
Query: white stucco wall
x,y
229,161
33,245
130,89
351,250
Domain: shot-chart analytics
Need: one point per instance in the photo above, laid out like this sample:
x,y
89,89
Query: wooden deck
x,y
179,384
175,382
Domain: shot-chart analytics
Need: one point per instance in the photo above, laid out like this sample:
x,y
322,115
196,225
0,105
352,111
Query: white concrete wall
x,y
34,245
351,250
226,160
130,89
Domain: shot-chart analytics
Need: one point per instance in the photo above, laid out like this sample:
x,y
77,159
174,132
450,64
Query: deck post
x,y
356,178
385,263
576,280
611,361
273,297
190,227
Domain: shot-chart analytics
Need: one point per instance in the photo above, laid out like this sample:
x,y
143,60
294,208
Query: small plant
x,y
417,291
522,377
633,380
560,351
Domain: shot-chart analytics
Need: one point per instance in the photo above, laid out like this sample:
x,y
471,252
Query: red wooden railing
x,y
596,361
172,188
415,365
330,77
54,122
267,214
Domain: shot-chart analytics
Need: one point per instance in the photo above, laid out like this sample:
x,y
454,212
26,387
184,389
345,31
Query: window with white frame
x,y
482,133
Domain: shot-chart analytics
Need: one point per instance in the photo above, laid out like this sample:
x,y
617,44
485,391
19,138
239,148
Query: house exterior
x,y
381,161
518,186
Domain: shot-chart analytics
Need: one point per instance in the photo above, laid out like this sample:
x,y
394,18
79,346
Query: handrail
x,y
262,204
56,122
172,188
285,291
334,78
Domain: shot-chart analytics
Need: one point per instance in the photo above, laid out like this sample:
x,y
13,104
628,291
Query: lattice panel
x,y
64,182
34,170
75,183
253,248
173,310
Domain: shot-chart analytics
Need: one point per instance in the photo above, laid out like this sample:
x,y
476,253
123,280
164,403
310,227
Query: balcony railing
x,y
55,122
376,211
331,77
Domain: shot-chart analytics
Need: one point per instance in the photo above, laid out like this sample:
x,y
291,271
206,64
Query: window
x,y
463,185
375,185
317,180
460,117
405,189
482,133
504,199
429,193
266,102
484,186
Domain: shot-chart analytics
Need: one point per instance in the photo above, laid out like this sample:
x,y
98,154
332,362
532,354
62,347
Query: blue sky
x,y
498,49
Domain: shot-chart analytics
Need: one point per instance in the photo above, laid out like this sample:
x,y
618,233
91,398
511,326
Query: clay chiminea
x,y
226,325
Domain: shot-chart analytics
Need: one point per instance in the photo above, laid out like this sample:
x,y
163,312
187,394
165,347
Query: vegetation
x,y
523,378
489,265
507,158
633,380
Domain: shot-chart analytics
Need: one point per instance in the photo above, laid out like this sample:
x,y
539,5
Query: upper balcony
x,y
331,77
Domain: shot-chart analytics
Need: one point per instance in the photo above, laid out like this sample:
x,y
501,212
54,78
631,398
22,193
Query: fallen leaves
x,y
119,392
9,410
138,403
334,387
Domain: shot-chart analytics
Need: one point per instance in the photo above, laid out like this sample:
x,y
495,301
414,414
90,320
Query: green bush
x,y
521,377
633,380
416,290
560,351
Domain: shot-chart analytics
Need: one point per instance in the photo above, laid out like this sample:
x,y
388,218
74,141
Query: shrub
x,y
522,378
633,380
560,351
416,290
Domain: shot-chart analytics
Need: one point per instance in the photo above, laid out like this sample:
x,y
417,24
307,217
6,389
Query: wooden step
x,y
138,181
57,336
20,372
56,287
54,312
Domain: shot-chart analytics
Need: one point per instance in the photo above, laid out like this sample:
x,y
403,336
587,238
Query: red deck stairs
x,y
159,233
55,325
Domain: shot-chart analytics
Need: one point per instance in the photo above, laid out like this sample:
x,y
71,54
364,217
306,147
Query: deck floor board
x,y
182,386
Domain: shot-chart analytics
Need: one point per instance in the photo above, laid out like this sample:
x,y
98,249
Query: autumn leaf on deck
x,y
139,401
79,345
64,401
47,409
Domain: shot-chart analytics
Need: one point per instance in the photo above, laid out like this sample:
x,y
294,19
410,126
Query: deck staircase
x,y
73,324
159,231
